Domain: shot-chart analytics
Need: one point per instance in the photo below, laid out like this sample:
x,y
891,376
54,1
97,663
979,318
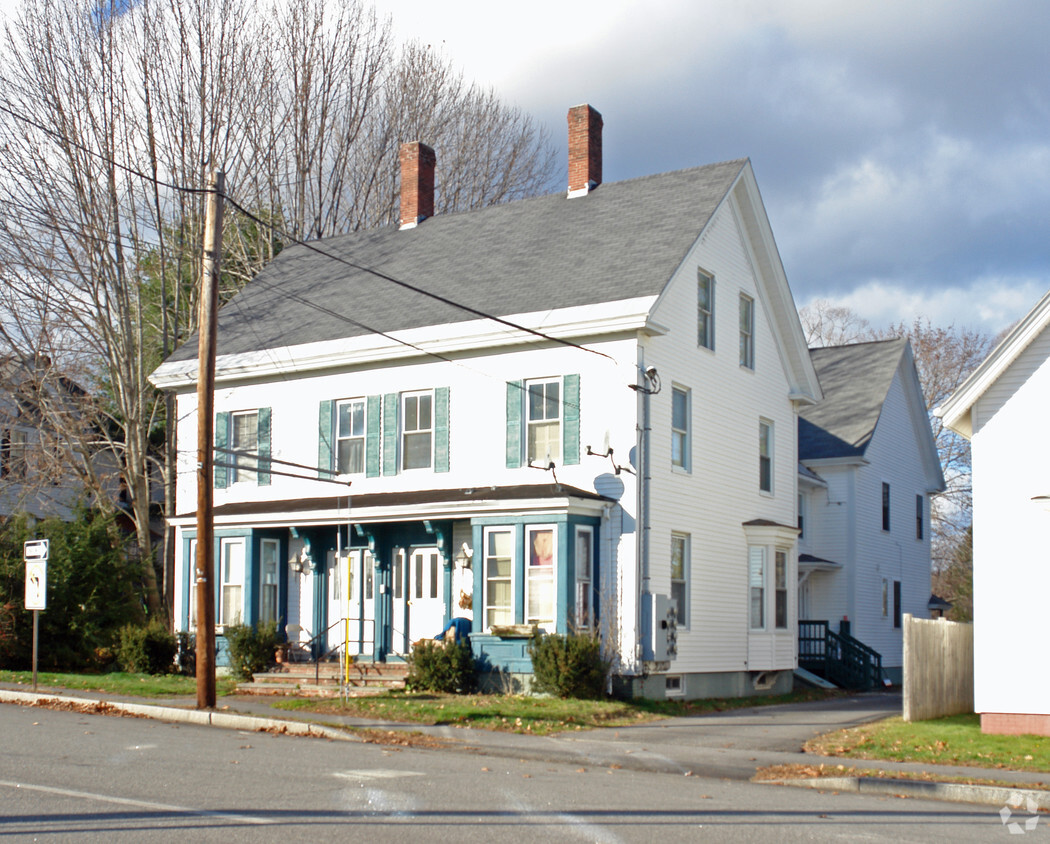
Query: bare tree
x,y
114,114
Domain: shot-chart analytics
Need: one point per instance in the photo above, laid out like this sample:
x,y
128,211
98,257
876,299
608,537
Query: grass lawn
x,y
955,740
135,685
522,714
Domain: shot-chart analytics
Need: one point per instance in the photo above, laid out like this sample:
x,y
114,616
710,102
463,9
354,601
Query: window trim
x,y
682,435
767,441
547,624
363,437
221,619
404,433
510,577
264,544
243,473
683,612
528,384
705,328
756,580
584,619
747,332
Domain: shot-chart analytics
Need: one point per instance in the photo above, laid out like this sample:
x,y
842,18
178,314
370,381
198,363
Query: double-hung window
x,y
231,563
498,575
417,430
244,441
269,550
765,455
242,447
885,506
680,428
543,420
780,594
351,424
680,576
757,586
747,331
705,307
919,513
584,577
540,547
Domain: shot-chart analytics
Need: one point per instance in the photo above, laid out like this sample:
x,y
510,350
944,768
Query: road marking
x,y
127,801
378,774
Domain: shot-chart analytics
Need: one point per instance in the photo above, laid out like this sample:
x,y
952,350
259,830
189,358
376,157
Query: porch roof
x,y
422,503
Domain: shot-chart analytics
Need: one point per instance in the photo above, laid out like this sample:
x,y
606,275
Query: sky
x,y
902,147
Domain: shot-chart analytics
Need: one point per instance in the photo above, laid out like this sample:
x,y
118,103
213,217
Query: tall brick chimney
x,y
417,183
585,150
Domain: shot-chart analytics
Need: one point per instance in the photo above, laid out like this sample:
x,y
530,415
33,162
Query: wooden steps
x,y
305,679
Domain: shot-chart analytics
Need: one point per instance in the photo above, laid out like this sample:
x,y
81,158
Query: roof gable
x,y
956,410
621,241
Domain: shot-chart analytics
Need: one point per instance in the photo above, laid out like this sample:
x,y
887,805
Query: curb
x,y
174,714
953,792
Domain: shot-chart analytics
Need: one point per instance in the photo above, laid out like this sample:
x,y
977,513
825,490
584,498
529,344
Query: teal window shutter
x,y
390,409
441,429
571,429
221,458
263,476
372,439
325,426
514,401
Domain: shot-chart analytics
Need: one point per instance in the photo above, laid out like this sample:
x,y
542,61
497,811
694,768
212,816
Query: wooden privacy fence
x,y
938,668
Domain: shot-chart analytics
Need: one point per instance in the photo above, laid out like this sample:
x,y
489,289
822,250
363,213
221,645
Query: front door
x,y
426,611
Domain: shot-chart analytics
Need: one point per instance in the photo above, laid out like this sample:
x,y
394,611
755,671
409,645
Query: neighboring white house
x,y
621,440
869,467
1002,408
35,472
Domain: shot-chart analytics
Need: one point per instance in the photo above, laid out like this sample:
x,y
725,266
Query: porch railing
x,y
838,657
315,645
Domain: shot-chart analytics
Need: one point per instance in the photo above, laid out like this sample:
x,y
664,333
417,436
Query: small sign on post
x,y
35,553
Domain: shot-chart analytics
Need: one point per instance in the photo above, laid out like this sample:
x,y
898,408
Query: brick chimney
x,y
417,183
585,150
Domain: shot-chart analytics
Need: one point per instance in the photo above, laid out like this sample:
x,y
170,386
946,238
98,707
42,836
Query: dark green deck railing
x,y
837,657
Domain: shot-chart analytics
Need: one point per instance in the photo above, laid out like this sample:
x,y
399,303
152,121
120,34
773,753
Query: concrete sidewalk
x,y
728,745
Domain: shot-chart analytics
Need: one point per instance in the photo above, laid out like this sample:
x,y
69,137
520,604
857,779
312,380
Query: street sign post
x,y
35,552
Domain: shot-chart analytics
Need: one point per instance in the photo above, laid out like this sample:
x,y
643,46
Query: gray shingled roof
x,y
623,240
855,380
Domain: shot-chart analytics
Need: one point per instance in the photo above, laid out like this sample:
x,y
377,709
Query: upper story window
x,y
885,506
680,428
242,446
417,430
13,454
543,420
747,331
801,516
705,306
765,456
919,514
350,436
244,440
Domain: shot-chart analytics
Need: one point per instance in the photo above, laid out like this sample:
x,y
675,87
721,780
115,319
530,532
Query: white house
x,y
575,411
869,467
1002,408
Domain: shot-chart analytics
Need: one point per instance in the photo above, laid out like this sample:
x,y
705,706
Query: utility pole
x,y
205,567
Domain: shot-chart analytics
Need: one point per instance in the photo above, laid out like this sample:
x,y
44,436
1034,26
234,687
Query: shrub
x,y
252,648
568,666
441,667
146,650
